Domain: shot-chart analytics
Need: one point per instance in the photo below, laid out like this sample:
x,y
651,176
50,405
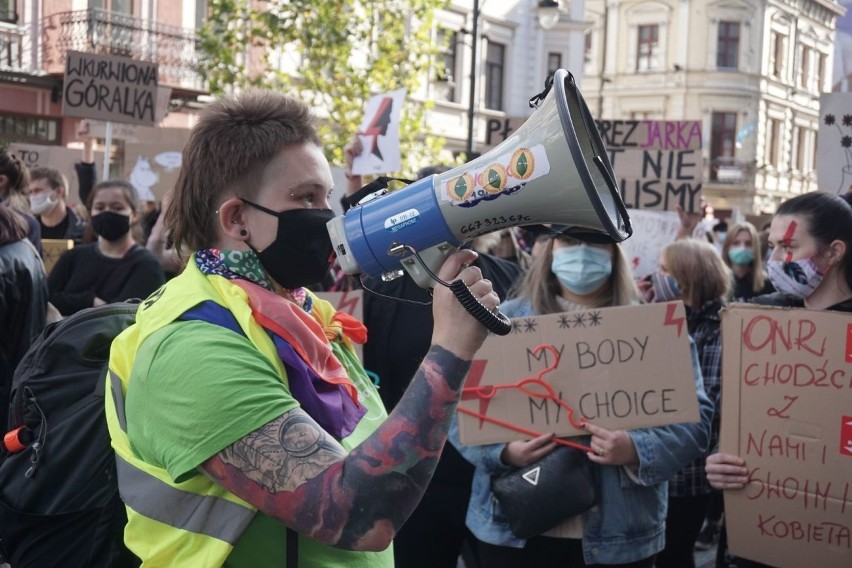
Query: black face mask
x,y
301,252
110,225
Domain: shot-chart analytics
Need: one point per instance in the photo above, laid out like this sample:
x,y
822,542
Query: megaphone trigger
x,y
493,320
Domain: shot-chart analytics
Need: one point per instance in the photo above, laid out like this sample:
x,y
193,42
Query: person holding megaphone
x,y
247,432
630,469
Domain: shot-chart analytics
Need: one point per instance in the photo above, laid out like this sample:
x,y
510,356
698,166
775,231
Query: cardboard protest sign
x,y
379,134
652,230
658,163
834,159
132,132
57,157
153,166
110,88
620,368
52,249
787,411
352,303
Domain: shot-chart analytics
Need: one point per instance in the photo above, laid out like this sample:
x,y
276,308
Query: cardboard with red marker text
x,y
658,162
620,368
787,411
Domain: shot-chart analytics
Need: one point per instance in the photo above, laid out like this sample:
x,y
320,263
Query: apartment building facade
x,y
514,55
35,35
750,71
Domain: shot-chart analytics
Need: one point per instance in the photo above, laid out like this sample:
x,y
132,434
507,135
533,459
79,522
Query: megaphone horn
x,y
553,170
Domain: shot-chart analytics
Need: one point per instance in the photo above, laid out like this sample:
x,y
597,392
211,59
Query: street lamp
x,y
548,13
474,71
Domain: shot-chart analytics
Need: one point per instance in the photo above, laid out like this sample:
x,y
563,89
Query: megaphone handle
x,y
495,321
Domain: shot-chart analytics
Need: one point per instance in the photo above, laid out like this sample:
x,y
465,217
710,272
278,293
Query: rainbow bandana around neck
x,y
301,334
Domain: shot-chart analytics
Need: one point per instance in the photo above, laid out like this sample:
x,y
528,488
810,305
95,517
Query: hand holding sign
x,y
726,471
611,448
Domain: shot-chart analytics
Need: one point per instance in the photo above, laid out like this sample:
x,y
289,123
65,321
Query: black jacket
x,y
74,227
23,309
782,300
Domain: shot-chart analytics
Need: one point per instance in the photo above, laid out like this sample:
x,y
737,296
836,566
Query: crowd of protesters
x,y
283,421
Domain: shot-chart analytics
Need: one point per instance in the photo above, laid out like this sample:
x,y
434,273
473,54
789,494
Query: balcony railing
x,y
175,49
728,170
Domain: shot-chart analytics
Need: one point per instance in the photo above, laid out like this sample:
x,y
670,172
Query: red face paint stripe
x,y
788,237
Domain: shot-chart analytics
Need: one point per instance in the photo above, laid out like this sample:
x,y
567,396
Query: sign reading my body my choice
x,y
619,368
110,88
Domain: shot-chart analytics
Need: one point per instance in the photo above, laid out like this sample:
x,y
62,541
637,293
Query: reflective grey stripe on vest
x,y
118,400
157,500
211,516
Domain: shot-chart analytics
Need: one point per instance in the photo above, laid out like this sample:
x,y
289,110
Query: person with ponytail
x,y
14,180
810,266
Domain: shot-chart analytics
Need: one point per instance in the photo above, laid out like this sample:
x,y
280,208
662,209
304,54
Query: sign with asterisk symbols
x,y
620,368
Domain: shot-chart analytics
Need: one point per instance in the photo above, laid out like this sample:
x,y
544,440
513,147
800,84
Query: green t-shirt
x,y
197,388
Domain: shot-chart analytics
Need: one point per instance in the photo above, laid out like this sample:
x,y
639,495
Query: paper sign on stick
x,y
110,88
787,411
379,134
620,368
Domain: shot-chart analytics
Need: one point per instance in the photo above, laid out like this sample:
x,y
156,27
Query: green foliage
x,y
334,54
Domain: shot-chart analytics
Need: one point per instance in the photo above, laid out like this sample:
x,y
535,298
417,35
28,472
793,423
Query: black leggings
x,y
683,523
543,552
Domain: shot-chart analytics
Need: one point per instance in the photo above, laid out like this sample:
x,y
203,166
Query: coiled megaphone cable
x,y
495,321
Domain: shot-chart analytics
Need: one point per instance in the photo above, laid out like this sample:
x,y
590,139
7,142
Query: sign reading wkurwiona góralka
x,y
787,411
110,88
620,368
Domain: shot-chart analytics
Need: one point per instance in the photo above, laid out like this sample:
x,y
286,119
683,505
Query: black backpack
x,y
59,501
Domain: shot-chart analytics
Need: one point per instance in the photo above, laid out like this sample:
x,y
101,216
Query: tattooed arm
x,y
291,469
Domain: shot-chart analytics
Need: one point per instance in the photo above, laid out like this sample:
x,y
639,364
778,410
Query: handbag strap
x,y
292,549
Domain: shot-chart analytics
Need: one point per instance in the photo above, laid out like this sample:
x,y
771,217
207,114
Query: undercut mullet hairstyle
x,y
699,270
235,139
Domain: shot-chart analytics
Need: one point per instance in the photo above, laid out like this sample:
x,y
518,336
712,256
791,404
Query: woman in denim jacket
x,y
627,526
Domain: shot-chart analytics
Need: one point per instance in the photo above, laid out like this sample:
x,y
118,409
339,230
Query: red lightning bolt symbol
x,y
671,320
788,237
376,127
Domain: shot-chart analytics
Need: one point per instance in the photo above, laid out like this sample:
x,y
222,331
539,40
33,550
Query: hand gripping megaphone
x,y
553,170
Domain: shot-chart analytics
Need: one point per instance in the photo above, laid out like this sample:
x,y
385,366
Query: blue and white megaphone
x,y
553,170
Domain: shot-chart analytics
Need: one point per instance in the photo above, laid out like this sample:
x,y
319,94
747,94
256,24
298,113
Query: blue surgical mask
x,y
741,255
582,268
